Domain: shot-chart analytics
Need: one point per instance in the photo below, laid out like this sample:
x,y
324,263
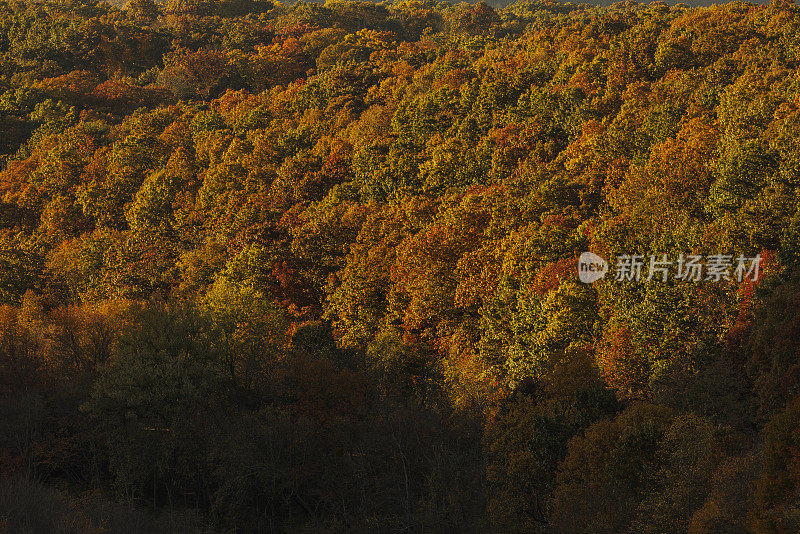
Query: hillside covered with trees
x,y
314,268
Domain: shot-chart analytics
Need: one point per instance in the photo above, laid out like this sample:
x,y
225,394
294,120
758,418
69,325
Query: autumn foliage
x,y
313,267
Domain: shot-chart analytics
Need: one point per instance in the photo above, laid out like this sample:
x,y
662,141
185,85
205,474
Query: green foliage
x,y
155,395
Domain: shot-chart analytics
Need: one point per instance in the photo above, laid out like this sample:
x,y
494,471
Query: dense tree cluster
x,y
313,268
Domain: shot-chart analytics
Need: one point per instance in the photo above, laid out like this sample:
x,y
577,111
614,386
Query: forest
x,y
313,267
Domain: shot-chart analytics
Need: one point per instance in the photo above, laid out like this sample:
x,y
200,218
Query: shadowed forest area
x,y
314,268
